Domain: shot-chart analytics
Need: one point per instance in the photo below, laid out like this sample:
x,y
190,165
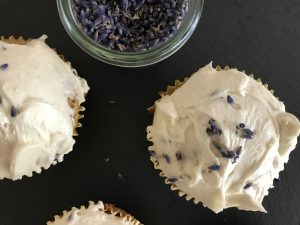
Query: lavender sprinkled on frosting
x,y
214,167
179,156
13,111
226,153
167,158
152,153
243,131
230,99
237,154
213,128
242,125
4,66
130,25
172,180
70,217
248,185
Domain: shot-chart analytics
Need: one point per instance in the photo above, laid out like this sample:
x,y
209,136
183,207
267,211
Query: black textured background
x,y
262,37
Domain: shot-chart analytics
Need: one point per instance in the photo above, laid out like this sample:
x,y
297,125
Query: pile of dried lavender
x,y
130,25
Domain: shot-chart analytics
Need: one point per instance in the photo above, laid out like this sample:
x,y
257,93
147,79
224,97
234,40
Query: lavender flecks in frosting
x,y
237,156
173,180
248,185
13,111
232,103
230,99
226,153
242,125
244,132
179,156
214,167
152,153
70,217
213,128
4,66
167,158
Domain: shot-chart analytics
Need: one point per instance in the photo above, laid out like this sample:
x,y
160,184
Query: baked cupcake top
x,y
36,117
222,138
95,214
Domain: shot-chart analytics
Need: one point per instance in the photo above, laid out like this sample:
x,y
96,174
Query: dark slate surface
x,y
262,37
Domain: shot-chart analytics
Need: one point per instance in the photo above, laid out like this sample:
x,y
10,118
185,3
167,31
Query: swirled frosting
x,y
222,138
36,120
95,214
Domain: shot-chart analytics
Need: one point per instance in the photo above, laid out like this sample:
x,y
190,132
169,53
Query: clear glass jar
x,y
130,59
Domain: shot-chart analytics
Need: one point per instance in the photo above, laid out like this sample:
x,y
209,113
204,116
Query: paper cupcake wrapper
x,y
170,90
108,209
74,104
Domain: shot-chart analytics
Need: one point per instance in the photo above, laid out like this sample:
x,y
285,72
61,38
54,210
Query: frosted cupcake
x,y
95,214
221,138
40,97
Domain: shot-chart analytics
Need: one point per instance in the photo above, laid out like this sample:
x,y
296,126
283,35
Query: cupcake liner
x,y
74,104
170,90
106,208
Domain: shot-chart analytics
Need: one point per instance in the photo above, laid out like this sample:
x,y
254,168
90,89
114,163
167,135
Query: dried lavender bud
x,y
13,111
237,156
172,180
179,156
229,154
70,217
152,153
3,66
167,158
242,125
214,167
213,128
135,25
230,99
246,133
248,185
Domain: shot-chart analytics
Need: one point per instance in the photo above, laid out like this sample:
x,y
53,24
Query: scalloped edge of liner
x,y
73,103
108,208
170,90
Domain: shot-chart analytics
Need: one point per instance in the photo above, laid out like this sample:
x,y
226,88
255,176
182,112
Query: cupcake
x,y
221,138
95,214
40,97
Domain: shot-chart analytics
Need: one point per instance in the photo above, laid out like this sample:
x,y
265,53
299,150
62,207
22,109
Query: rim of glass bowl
x,y
130,59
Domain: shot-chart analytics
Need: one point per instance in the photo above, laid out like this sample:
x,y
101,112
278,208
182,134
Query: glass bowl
x,y
130,59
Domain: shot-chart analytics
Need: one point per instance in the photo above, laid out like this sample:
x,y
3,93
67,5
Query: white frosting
x,y
38,83
93,215
180,124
